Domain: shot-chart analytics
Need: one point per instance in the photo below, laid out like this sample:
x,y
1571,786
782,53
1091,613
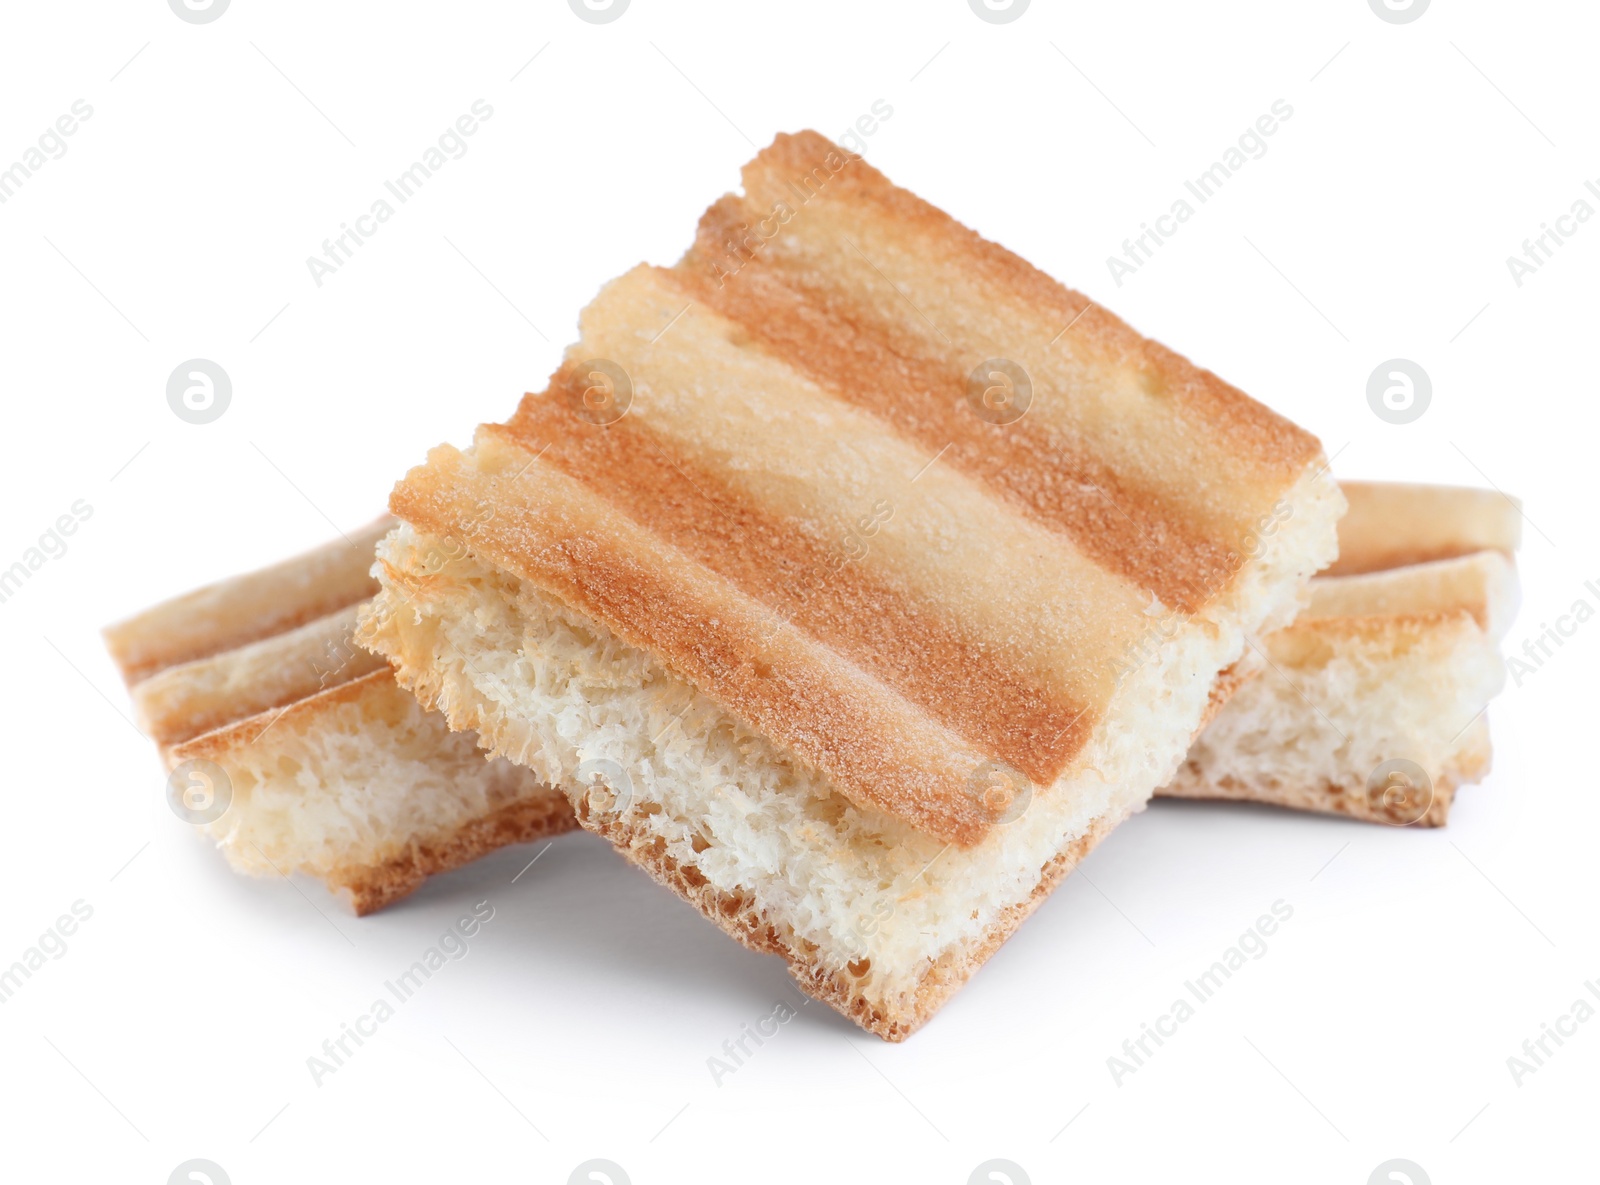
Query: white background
x,y
177,225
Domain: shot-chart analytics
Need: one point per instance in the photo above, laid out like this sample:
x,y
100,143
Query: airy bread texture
x,y
363,789
841,586
1381,668
346,794
880,920
333,771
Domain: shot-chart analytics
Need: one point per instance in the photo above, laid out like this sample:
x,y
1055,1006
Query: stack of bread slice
x,y
1370,672
1373,702
853,579
255,689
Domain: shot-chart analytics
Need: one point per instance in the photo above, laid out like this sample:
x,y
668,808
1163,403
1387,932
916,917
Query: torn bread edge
x,y
1372,704
328,768
236,691
872,917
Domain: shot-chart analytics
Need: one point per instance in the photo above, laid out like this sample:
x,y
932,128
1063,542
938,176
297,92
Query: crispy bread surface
x,y
247,608
1392,524
786,482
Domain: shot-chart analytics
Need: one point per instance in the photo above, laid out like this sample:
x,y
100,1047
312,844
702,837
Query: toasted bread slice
x,y
185,700
330,769
1373,701
1393,524
244,609
360,787
1259,752
822,631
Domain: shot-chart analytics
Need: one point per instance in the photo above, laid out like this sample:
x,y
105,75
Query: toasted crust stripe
x,y
689,501
1393,524
247,608
553,534
871,614
1041,467
1204,452
194,697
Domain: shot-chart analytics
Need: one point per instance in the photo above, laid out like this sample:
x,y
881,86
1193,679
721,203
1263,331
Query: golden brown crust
x,y
1055,463
1251,436
867,614
185,700
369,889
1393,524
791,686
1482,583
743,920
1201,443
216,744
1349,795
1352,801
786,485
255,666
1314,642
247,608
